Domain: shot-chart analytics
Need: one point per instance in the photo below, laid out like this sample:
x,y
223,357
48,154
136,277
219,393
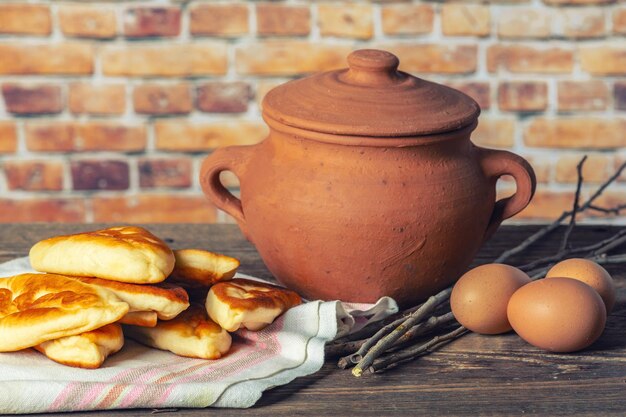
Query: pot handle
x,y
230,158
497,163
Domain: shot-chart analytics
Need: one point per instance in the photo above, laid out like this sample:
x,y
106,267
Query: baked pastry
x,y
249,304
35,308
140,318
166,300
85,350
202,268
125,253
192,334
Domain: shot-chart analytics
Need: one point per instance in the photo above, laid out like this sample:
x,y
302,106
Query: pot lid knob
x,y
372,67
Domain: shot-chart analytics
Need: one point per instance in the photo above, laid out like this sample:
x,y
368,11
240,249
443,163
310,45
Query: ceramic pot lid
x,y
370,98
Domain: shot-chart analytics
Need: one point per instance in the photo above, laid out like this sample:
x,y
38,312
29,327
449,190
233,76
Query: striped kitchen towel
x,y
141,377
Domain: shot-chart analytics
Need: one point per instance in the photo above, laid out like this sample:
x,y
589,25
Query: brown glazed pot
x,y
368,184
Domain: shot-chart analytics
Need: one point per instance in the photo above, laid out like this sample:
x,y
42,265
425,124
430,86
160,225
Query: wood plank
x,y
499,375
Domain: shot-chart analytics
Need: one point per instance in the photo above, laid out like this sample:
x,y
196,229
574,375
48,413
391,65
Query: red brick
x,y
494,132
515,23
154,208
582,95
32,98
143,21
619,21
619,95
581,132
523,96
25,19
282,20
34,175
224,97
164,172
595,169
465,19
547,205
109,136
87,21
97,99
61,59
50,136
70,210
182,136
89,136
162,99
407,19
100,175
167,60
431,58
346,20
604,60
289,57
228,20
8,137
526,59
580,23
479,91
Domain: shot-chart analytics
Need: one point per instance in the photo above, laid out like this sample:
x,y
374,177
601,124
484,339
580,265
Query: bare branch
x,y
572,219
416,351
387,341
541,233
617,210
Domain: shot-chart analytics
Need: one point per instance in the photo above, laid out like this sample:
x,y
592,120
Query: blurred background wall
x,y
108,108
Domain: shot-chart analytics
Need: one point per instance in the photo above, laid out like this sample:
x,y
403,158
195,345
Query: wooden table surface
x,y
475,375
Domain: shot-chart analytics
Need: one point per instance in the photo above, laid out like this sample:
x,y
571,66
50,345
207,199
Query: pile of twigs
x,y
420,330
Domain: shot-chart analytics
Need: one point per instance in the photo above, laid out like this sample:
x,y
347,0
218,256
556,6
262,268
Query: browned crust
x,y
171,292
194,319
29,300
110,331
206,275
140,318
261,295
119,235
28,294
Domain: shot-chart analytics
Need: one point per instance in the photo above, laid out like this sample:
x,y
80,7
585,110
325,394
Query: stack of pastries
x,y
97,287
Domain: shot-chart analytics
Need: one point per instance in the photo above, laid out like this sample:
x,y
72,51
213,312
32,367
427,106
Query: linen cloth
x,y
142,377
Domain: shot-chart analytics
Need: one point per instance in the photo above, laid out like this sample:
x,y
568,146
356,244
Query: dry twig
x,y
384,343
415,351
572,222
618,238
348,348
372,328
554,225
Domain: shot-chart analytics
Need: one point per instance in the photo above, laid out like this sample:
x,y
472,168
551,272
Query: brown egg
x,y
480,297
591,274
557,314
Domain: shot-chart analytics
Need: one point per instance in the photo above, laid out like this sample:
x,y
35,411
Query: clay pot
x,y
368,184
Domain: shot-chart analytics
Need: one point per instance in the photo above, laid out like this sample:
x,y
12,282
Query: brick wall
x,y
107,108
